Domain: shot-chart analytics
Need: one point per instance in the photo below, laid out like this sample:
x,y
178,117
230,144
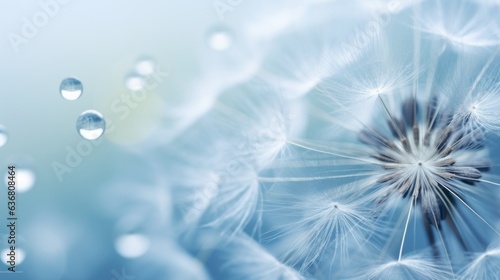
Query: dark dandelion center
x,y
427,155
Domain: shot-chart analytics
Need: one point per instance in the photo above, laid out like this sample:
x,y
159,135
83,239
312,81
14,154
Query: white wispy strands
x,y
337,218
485,265
244,258
300,60
223,172
480,109
158,265
392,174
236,202
421,157
296,72
359,88
464,25
416,266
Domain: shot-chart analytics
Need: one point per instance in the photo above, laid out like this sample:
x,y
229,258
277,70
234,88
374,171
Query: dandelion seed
x,y
226,188
420,161
485,265
246,259
395,158
453,22
480,110
338,218
417,266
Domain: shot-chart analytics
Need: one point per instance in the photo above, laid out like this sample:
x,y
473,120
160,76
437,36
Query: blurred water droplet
x,y
220,39
132,245
135,82
3,136
71,88
24,179
91,124
145,67
19,256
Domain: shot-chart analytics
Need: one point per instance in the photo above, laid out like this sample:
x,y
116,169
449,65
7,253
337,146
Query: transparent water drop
x,y
71,88
145,67
220,39
3,135
91,124
24,179
135,82
19,256
132,245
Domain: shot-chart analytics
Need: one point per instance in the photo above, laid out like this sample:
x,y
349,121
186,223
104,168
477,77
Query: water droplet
x,y
20,256
145,67
220,39
71,88
24,179
135,82
3,135
90,124
132,245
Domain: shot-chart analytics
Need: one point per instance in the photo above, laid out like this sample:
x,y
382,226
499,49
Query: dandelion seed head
x,y
426,156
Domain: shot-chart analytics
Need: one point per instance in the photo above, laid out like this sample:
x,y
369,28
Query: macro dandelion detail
x,y
391,172
288,140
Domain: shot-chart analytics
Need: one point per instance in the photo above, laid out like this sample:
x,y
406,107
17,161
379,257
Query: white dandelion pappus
x,y
417,266
424,164
334,218
254,125
480,107
294,71
301,59
484,265
464,25
244,258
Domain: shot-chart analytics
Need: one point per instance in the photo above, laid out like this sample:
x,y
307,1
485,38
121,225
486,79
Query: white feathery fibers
x,y
334,219
417,266
484,265
463,25
246,259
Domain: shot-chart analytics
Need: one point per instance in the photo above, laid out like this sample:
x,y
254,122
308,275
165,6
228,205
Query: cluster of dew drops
x,y
90,124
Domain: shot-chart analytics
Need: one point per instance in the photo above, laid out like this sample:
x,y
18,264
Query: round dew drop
x,y
132,245
145,67
71,88
135,82
91,125
220,39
